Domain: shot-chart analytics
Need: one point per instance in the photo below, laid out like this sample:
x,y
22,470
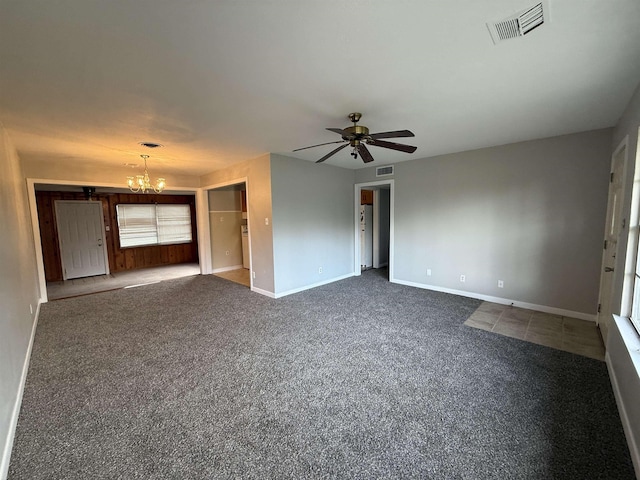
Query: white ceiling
x,y
218,82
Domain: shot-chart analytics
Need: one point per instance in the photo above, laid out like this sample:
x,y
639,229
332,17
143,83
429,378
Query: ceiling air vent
x,y
519,24
384,171
150,144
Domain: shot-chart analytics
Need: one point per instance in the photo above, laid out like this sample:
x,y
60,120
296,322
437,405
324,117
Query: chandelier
x,y
142,183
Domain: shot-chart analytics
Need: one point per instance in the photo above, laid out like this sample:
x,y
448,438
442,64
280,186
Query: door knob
x,y
608,269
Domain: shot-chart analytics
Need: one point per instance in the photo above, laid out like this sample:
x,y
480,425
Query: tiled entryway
x,y
563,333
123,279
240,275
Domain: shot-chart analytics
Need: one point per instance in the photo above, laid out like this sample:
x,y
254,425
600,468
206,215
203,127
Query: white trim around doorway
x,y
356,227
204,228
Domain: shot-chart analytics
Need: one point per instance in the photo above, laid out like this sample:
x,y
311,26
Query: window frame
x,y
156,224
630,301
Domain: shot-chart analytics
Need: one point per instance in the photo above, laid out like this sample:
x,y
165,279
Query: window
x,y
634,315
630,301
635,305
148,224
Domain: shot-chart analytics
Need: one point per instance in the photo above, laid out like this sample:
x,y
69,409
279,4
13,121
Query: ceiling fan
x,y
358,137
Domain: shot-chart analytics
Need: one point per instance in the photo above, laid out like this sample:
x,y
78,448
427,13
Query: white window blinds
x,y
174,224
147,224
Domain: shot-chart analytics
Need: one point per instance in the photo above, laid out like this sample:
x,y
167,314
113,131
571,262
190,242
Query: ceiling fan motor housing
x,y
354,135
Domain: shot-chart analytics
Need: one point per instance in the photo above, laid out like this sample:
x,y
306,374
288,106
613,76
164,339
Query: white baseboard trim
x,y
624,417
6,454
266,293
226,269
503,301
314,285
624,344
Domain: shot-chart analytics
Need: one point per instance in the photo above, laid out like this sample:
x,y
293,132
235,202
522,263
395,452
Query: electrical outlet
x,y
319,269
254,275
266,221
463,278
428,272
222,219
500,284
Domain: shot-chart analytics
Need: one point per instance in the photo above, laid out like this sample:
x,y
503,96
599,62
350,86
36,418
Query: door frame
x,y
618,273
358,187
377,228
375,244
204,227
105,253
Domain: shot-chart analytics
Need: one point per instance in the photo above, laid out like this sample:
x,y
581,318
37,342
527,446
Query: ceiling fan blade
x,y
364,153
333,152
396,134
339,131
394,146
318,145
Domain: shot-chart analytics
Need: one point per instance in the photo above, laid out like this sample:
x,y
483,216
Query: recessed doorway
x,y
374,227
229,233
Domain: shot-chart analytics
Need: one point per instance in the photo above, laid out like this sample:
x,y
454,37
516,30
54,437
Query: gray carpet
x,y
357,379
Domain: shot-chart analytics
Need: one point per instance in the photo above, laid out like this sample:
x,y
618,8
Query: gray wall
x,y
225,200
18,287
384,205
313,222
531,214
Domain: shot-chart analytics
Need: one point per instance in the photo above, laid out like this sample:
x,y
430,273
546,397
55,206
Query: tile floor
x,y
102,283
563,333
129,278
240,275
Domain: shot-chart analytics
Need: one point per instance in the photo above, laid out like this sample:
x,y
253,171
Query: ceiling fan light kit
x,y
358,137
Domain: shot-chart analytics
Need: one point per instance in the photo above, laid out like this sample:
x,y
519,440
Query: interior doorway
x,y
229,233
374,226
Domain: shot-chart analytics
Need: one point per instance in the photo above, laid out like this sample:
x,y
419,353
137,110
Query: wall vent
x,y
384,171
520,24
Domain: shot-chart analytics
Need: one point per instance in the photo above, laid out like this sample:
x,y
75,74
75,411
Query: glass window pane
x,y
635,306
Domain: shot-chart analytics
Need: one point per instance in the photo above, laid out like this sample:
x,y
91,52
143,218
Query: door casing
x,y
356,228
614,227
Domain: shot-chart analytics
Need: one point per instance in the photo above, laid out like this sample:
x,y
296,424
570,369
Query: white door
x,y
81,235
614,227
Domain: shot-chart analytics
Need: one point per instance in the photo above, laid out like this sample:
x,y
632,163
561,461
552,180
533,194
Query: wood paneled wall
x,y
119,258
